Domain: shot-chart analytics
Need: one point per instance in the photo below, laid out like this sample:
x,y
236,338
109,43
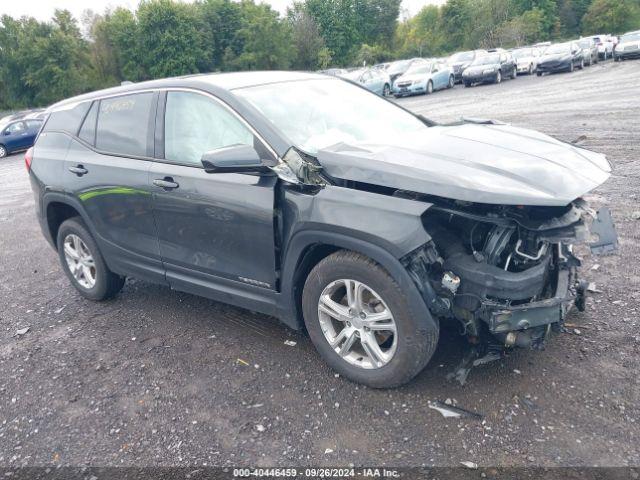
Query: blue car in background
x,y
424,78
374,79
18,134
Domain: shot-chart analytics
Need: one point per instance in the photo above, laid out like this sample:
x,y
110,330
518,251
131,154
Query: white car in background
x,y
605,46
526,59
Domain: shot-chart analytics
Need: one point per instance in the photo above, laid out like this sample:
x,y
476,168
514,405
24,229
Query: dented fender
x,y
392,223
380,227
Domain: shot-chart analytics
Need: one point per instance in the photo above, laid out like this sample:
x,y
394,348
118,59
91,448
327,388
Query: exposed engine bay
x,y
507,274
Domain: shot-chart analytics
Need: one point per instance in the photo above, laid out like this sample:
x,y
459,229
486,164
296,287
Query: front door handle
x,y
167,183
79,170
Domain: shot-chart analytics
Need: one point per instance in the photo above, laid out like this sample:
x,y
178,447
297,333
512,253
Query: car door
x,y
107,172
15,136
212,228
440,76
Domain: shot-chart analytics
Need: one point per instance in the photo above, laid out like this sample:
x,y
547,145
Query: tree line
x,y
42,62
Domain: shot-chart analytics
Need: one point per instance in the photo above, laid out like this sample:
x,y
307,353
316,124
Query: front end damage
x,y
506,274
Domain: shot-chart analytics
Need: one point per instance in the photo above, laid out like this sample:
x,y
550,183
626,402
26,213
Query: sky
x,y
43,9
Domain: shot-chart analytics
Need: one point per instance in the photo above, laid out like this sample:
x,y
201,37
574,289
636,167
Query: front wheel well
x,y
58,212
311,256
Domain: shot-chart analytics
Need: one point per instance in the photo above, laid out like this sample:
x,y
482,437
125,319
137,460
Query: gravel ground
x,y
157,377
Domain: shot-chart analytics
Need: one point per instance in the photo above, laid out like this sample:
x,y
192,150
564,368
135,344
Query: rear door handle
x,y
167,183
79,170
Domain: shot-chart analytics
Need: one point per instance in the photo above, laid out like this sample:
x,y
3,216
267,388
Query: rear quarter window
x,y
67,120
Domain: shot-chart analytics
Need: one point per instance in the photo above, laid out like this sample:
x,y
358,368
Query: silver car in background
x,y
589,50
373,79
526,59
628,46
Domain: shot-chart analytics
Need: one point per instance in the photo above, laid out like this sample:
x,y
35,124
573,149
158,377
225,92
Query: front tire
x,y
467,84
361,323
581,67
498,78
452,82
386,90
83,264
3,151
429,87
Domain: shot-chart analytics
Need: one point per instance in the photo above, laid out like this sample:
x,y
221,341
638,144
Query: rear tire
x,y
386,90
106,284
452,82
498,78
412,344
467,84
539,74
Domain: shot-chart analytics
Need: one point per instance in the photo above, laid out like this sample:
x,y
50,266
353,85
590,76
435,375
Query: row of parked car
x,y
424,76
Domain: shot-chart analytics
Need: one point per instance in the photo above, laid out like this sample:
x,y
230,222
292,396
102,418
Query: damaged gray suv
x,y
313,200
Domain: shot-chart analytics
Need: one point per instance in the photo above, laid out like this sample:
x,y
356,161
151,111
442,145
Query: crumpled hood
x,y
495,164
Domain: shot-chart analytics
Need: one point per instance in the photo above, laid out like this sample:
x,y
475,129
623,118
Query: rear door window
x,y
123,124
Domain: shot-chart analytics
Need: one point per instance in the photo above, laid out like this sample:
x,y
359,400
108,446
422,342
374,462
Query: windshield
x,y
486,60
419,69
632,37
462,57
400,66
355,75
315,114
558,48
525,52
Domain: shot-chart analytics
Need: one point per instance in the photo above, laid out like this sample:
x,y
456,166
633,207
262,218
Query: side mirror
x,y
233,159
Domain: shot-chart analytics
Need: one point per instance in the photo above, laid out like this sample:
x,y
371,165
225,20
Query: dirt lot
x,y
157,377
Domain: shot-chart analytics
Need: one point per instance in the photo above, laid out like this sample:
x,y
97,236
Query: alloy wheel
x,y
80,261
357,324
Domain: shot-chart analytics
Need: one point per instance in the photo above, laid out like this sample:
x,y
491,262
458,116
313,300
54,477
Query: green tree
x,y
262,43
170,40
306,40
611,16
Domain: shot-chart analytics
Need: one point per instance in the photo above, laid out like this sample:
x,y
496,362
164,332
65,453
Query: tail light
x,y
28,157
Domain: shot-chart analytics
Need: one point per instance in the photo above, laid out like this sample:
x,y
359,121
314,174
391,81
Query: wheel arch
x,y
57,208
307,248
